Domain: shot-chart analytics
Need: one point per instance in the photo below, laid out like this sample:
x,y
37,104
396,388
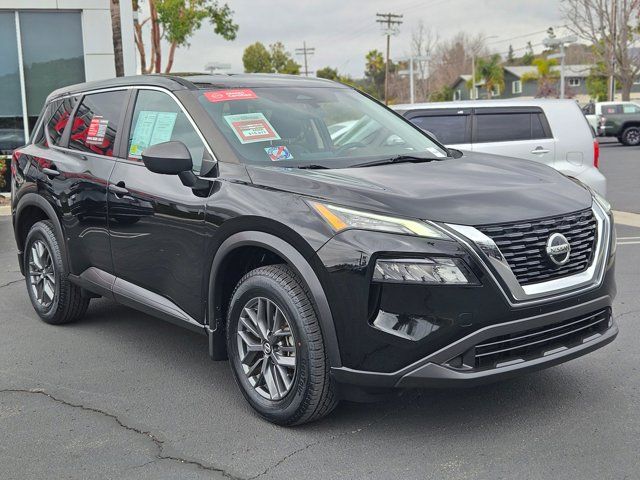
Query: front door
x,y
156,224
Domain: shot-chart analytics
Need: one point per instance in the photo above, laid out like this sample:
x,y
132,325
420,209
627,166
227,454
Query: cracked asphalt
x,y
121,395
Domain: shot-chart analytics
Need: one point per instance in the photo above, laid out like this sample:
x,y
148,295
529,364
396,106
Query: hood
x,y
477,189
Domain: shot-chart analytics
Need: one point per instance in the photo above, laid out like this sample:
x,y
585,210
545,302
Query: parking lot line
x,y
626,218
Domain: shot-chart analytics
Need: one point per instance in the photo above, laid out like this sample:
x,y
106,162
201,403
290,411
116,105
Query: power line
x,y
306,51
392,21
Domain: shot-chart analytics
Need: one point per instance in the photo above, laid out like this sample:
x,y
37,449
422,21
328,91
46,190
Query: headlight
x,y
340,218
433,270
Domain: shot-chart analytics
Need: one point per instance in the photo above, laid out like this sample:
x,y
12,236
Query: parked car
x,y
553,132
321,271
617,119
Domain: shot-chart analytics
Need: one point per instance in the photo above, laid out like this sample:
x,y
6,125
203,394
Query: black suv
x,y
326,246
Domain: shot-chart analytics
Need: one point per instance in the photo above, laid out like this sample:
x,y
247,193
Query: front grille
x,y
523,245
538,342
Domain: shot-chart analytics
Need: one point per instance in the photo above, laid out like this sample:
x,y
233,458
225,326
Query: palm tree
x,y
546,77
491,71
490,74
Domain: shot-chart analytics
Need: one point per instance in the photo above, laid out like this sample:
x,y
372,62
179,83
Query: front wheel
x,y
631,136
276,349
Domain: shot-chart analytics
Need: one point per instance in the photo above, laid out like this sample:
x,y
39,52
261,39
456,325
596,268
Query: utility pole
x,y
553,42
305,51
391,22
614,34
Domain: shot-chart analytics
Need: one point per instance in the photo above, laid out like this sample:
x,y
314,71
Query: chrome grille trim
x,y
523,245
485,251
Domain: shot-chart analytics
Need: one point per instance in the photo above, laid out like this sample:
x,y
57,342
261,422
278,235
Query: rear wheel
x,y
54,298
276,349
630,136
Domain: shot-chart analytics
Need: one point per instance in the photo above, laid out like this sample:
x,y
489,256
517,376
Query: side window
x,y
96,122
537,128
450,129
58,116
630,108
502,127
611,109
157,118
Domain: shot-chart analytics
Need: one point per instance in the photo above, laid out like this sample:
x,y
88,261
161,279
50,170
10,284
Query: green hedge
x,y
4,165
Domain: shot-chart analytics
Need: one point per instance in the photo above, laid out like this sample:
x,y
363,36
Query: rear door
x,y
514,132
156,223
451,126
81,134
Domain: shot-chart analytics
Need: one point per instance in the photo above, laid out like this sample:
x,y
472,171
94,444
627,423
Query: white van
x,y
553,132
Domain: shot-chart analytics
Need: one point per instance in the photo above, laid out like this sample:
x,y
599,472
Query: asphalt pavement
x,y
124,395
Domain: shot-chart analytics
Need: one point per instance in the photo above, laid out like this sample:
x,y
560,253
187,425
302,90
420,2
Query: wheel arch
x,y
32,208
283,250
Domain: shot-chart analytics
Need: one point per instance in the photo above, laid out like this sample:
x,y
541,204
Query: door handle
x,y
118,189
540,151
50,172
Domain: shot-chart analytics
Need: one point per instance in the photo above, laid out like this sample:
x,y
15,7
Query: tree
x,y
490,71
596,83
116,33
423,44
546,77
257,59
529,56
612,35
175,21
375,72
328,73
510,56
282,61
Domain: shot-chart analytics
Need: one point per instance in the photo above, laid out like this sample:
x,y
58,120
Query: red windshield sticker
x,y
225,95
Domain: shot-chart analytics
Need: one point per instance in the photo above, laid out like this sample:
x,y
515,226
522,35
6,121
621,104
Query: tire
x,y
630,136
63,302
312,392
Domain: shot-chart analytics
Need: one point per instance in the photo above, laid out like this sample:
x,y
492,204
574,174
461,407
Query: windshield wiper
x,y
313,167
398,159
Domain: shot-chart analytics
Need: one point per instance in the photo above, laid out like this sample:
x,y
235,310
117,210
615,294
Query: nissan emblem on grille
x,y
558,248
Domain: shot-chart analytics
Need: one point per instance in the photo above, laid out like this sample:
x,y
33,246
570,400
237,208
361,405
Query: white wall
x,y
97,38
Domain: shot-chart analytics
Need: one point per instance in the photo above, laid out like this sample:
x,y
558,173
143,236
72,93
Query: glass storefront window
x,y
60,64
11,126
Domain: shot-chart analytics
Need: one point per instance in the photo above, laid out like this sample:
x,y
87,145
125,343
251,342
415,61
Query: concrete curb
x,y
626,218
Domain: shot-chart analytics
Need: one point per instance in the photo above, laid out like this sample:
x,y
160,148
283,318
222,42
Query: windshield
x,y
312,126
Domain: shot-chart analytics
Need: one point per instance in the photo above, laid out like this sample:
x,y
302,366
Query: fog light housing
x,y
430,271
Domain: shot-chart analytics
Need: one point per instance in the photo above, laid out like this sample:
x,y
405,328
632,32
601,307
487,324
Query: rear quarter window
x,y
509,127
57,118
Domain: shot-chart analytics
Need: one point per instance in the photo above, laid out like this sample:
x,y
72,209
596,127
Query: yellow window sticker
x,y
151,128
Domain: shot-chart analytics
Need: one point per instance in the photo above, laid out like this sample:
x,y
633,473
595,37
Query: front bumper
x,y
439,369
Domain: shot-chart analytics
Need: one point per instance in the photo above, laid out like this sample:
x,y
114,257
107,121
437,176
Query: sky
x,y
343,31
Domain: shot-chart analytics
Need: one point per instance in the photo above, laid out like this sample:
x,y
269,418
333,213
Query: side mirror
x,y
455,153
168,158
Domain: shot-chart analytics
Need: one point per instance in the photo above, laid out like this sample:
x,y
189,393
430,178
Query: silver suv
x,y
553,132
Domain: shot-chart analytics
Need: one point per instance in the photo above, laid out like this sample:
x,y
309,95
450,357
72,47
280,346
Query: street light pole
x,y
559,42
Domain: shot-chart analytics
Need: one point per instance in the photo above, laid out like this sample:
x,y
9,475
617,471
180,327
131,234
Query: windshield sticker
x,y
97,130
224,95
251,127
151,128
277,154
436,152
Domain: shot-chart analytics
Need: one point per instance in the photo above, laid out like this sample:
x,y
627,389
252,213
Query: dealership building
x,y
48,44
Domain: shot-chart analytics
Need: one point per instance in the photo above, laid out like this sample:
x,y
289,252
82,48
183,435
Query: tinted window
x,y
96,122
157,118
504,127
537,130
449,129
611,109
58,116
